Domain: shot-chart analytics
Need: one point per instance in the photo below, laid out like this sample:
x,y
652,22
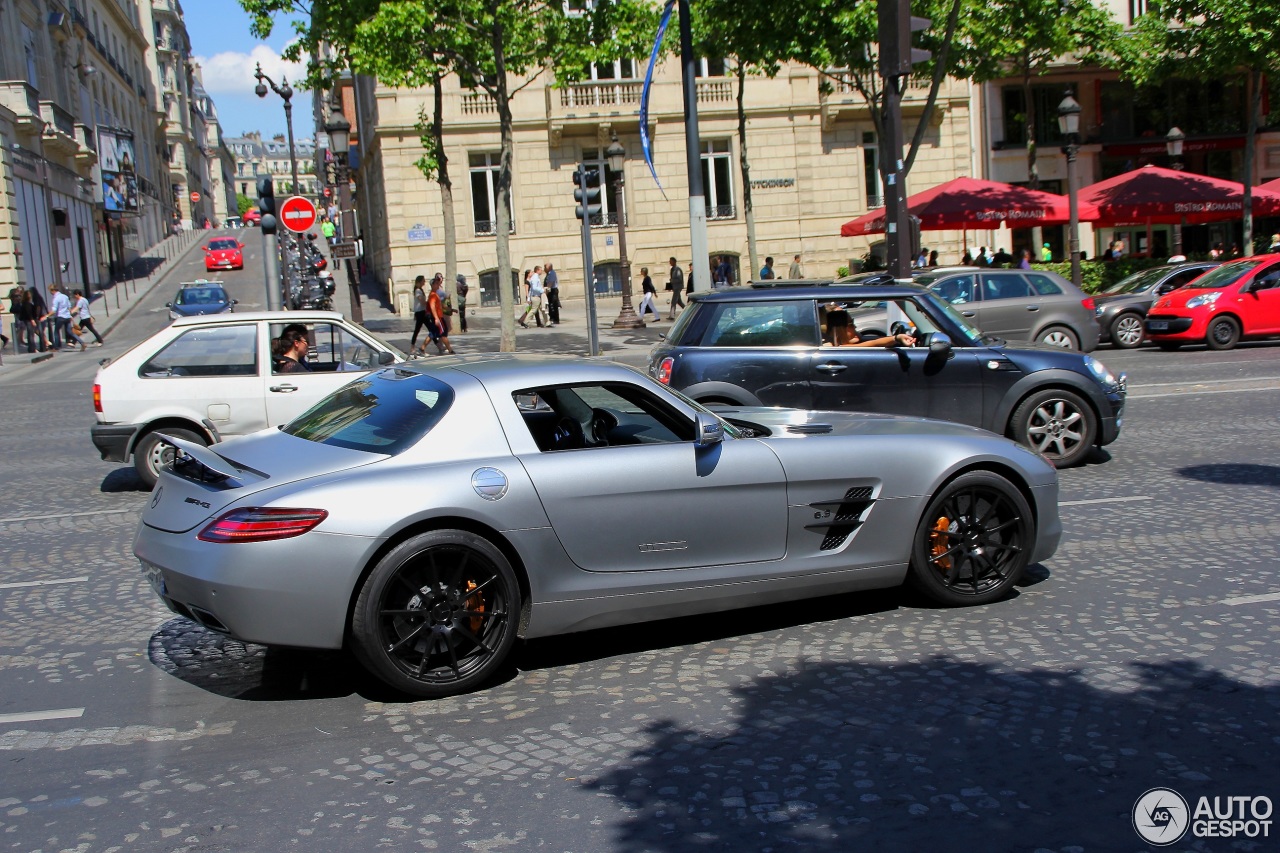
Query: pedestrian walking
x,y
723,275
328,230
795,270
28,320
534,305
551,286
463,290
766,271
438,308
675,283
80,310
60,311
1046,253
647,300
420,316
1024,262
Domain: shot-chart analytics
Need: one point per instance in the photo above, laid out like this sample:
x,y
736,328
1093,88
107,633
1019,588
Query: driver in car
x,y
289,351
844,333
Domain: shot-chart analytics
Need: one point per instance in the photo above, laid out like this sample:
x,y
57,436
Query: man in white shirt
x,y
80,311
535,300
60,311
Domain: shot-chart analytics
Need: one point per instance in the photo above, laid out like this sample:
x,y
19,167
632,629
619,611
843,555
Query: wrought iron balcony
x,y
722,211
489,227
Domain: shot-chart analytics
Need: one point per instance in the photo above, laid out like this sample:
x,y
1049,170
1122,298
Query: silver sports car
x,y
427,514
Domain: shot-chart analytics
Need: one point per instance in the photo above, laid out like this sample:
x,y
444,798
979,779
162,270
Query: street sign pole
x,y
271,264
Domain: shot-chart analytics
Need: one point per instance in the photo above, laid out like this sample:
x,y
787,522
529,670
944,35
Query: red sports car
x,y
1238,300
223,254
252,216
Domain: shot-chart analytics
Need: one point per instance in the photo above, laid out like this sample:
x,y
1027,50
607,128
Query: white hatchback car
x,y
210,377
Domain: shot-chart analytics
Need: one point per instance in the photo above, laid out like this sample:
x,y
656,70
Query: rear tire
x,y
1059,336
973,541
149,455
1126,331
1223,333
1057,424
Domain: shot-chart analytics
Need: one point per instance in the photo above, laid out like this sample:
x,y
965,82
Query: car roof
x,y
249,316
809,289
202,283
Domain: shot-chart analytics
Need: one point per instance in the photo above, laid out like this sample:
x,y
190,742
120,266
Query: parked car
x,y
1239,300
233,222
1122,308
223,254
195,298
770,346
210,377
427,514
1020,305
252,216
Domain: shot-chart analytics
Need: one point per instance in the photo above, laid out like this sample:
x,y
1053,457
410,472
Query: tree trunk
x,y
1255,104
503,190
746,177
446,189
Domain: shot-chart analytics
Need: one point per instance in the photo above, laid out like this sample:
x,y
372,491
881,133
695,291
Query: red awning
x,y
1156,195
972,203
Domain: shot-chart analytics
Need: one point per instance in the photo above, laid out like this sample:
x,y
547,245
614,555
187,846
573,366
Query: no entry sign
x,y
298,214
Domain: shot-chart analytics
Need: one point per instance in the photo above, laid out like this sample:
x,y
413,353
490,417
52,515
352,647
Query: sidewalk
x,y
113,301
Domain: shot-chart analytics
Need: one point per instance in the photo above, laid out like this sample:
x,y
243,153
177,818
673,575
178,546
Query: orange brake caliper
x,y
939,543
475,603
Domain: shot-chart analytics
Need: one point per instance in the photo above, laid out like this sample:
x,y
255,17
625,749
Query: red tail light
x,y
1088,303
262,524
664,370
97,398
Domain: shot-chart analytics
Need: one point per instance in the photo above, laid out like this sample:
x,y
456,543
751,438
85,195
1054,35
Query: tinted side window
x,y
1178,279
585,416
214,351
1267,278
957,289
1044,285
1004,287
761,324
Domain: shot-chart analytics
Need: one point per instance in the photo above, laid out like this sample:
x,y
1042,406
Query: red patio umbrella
x,y
1270,186
1155,195
971,203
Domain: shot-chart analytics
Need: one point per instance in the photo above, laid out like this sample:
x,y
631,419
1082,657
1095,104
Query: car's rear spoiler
x,y
222,468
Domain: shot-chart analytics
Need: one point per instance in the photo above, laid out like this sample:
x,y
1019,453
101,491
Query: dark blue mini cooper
x,y
797,344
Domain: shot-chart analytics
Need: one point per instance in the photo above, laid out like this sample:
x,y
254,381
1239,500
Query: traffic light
x,y
587,194
896,26
267,204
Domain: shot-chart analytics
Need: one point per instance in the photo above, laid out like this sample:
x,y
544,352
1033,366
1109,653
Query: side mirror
x,y
710,430
168,305
939,345
235,301
386,358
239,245
206,249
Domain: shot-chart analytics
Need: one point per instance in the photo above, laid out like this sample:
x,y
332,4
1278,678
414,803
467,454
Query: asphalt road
x,y
1143,654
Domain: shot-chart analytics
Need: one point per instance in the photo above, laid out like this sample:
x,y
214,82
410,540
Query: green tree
x,y
243,203
499,47
1023,38
1217,38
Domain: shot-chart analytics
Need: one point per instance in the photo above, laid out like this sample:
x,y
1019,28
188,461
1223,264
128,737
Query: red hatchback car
x,y
223,254
1238,300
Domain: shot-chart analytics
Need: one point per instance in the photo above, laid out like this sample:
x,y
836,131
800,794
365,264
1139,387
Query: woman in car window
x,y
289,351
842,332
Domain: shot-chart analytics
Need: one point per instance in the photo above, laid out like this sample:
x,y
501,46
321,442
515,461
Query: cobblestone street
x,y
1143,654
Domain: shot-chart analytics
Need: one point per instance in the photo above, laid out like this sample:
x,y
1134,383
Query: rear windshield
x,y
386,412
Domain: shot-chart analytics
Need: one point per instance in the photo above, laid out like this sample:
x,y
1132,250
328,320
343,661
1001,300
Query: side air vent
x,y
838,519
809,429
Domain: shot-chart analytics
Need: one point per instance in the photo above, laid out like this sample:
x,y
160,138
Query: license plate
x,y
155,577
1157,325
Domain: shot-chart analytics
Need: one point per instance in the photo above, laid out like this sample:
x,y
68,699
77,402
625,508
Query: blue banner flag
x,y
646,144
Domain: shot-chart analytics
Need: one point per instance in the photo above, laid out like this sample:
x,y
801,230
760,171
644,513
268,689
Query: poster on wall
x,y
117,159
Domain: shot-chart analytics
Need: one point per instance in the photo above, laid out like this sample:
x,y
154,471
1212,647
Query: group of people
x,y
71,314
794,272
433,310
541,296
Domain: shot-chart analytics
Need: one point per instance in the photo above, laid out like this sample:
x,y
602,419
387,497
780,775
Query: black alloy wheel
x,y
1223,333
973,541
1126,330
437,616
1057,424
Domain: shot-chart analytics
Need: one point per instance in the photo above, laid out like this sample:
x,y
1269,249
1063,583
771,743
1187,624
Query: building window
x,y
711,67
619,69
593,158
1015,114
871,170
608,277
1137,8
484,194
29,53
717,178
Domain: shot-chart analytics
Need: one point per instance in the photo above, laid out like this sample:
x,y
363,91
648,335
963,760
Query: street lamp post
x,y
1173,144
284,91
1069,126
339,130
617,157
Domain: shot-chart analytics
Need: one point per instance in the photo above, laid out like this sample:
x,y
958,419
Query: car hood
x,y
1122,299
1177,300
798,422
231,471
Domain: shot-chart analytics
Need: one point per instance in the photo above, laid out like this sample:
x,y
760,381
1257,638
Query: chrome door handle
x,y
968,313
284,389
1033,307
831,367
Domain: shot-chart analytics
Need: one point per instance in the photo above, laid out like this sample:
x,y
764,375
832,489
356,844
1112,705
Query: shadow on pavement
x,y
123,479
1234,473
943,754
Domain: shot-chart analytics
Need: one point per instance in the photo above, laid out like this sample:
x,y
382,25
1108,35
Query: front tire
x,y
437,616
1057,424
1126,331
1223,333
973,541
150,455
